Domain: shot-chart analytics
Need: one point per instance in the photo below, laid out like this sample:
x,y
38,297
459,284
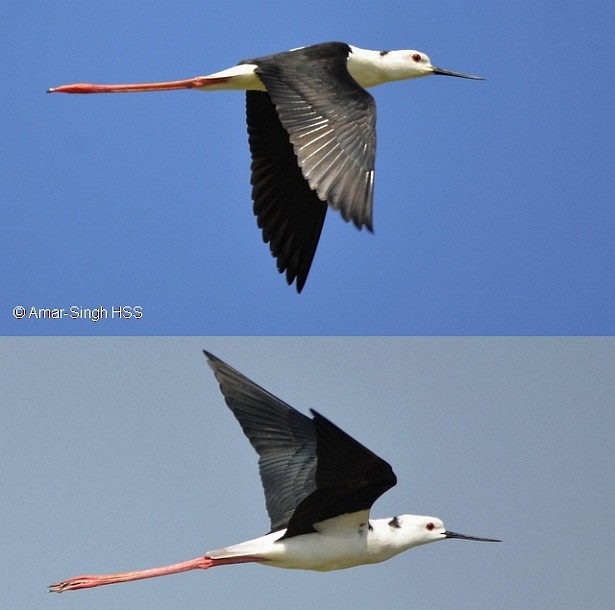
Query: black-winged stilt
x,y
319,487
311,127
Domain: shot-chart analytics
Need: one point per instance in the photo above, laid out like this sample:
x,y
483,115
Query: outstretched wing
x,y
284,439
288,211
331,122
311,470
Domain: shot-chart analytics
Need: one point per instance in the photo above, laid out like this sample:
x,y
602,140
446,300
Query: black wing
x,y
331,122
310,469
349,478
288,211
284,439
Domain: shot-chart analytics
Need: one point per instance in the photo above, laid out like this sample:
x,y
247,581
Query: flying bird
x,y
319,487
312,136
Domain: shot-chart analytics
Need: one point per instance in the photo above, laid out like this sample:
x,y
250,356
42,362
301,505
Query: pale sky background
x,y
493,200
119,454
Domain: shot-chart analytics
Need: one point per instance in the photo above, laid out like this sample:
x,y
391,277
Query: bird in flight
x,y
312,136
319,487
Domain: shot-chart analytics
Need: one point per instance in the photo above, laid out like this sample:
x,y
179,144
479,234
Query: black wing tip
x,y
299,282
214,362
292,276
318,418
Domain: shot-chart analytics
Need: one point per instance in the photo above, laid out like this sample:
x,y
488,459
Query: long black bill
x,y
448,534
457,74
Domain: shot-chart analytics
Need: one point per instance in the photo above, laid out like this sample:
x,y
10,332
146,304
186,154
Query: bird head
x,y
414,64
422,530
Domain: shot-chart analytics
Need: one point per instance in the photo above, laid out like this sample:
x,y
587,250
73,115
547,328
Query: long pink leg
x,y
188,83
97,580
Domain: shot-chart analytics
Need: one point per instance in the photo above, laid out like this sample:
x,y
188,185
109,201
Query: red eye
x,y
416,57
430,526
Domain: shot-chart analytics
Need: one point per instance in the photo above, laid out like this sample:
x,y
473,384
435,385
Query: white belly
x,y
316,551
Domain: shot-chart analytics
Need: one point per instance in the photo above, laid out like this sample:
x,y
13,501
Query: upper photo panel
x,y
296,171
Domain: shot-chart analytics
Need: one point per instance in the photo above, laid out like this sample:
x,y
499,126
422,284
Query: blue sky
x,y
493,200
120,454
